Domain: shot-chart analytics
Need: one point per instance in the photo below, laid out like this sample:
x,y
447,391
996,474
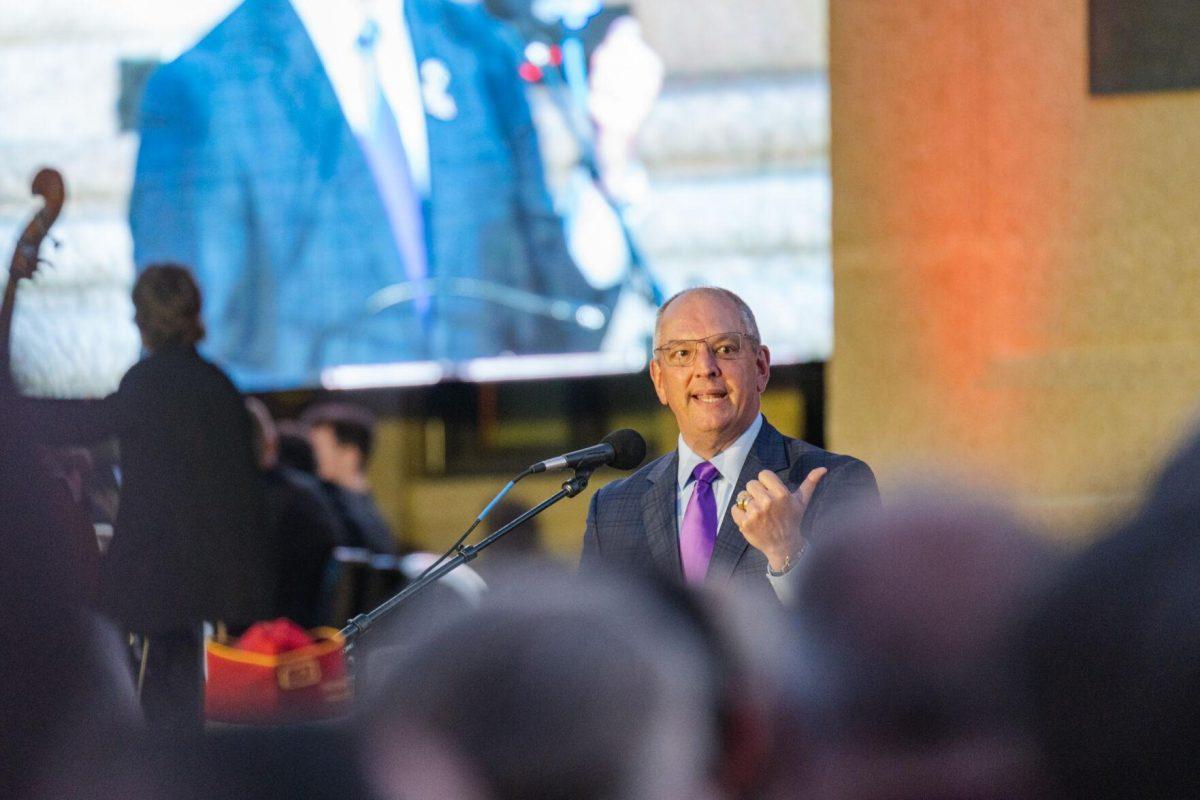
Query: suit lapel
x,y
303,85
659,517
455,140
427,29
314,111
769,452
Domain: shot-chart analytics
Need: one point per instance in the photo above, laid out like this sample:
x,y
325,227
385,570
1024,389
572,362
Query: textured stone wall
x,y
1015,260
719,37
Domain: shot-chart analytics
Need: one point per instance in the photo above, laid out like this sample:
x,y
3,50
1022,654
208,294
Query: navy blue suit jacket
x,y
632,522
249,173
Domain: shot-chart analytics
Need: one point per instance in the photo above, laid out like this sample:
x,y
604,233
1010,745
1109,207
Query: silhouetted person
x,y
68,469
189,543
264,763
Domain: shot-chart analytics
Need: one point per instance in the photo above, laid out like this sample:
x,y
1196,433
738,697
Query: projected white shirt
x,y
334,28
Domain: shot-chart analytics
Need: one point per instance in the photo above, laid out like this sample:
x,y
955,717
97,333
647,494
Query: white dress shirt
x,y
729,463
334,27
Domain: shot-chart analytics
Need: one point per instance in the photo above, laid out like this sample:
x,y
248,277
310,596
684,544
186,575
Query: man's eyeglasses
x,y
725,346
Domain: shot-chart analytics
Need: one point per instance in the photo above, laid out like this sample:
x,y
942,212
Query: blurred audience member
x,y
342,436
69,468
906,687
561,688
295,450
189,544
414,762
295,762
103,489
752,649
303,524
1114,653
63,673
515,548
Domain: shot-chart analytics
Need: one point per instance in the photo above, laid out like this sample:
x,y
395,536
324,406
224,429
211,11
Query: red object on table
x,y
277,673
277,636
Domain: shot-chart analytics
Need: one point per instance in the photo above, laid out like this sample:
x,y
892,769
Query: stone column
x,y
1014,259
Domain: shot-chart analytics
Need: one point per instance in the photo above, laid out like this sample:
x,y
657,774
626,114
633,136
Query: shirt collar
x,y
335,27
729,462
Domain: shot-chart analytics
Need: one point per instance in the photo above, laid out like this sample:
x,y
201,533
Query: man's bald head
x,y
743,310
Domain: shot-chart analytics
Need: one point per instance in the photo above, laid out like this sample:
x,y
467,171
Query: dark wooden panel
x,y
1143,45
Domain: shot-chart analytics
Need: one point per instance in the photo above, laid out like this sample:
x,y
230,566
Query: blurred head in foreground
x,y
564,687
1113,653
907,687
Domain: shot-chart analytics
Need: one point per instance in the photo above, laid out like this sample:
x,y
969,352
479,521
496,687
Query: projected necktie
x,y
699,531
384,150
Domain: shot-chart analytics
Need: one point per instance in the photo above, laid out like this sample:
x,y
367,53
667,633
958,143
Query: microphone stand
x,y
361,623
575,73
569,92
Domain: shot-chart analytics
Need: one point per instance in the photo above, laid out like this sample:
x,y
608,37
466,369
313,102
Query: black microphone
x,y
623,449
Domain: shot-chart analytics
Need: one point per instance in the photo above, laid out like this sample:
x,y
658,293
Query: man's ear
x,y
656,377
763,364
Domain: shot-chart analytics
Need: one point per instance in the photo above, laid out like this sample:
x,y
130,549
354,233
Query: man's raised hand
x,y
769,515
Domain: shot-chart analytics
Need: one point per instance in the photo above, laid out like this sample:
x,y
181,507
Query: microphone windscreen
x,y
629,448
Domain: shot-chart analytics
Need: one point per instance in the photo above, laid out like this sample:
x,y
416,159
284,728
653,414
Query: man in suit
x,y
737,500
305,156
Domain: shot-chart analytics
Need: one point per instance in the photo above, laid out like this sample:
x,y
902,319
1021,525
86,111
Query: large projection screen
x,y
228,137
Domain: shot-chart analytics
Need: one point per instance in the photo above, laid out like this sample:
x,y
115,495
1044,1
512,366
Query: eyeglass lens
x,y
725,346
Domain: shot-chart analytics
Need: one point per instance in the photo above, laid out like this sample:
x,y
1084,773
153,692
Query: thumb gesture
x,y
769,515
804,491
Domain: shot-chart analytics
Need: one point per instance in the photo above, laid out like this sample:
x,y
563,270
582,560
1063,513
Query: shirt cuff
x,y
784,586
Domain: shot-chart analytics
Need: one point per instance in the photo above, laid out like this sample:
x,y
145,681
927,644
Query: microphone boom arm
x,y
361,623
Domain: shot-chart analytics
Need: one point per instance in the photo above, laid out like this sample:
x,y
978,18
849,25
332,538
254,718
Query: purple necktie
x,y
384,150
699,531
